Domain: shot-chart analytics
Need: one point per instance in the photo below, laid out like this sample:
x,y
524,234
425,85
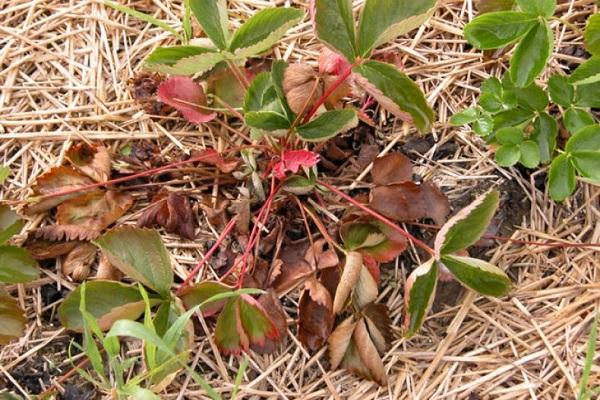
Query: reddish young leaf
x,y
274,310
292,160
173,212
95,210
92,160
391,169
257,324
186,96
408,201
58,179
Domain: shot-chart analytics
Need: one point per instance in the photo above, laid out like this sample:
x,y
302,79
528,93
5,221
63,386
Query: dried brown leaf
x,y
58,179
379,324
56,233
408,201
368,353
95,211
107,271
173,212
77,263
298,83
391,169
91,160
42,249
339,340
348,280
315,322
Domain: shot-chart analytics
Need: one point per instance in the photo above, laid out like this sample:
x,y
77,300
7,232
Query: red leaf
x,y
292,160
186,96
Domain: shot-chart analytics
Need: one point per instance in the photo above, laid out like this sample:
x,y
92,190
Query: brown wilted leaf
x,y
318,293
379,324
366,155
107,271
217,216
315,320
372,366
365,290
275,312
91,160
408,201
212,157
77,263
339,340
391,169
58,179
298,83
348,280
42,249
95,210
57,233
173,212
298,261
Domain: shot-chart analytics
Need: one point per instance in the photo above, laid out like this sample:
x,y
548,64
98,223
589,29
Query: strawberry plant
x,y
276,232
518,117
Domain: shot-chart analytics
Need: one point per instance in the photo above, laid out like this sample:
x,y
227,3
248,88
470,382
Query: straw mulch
x,y
65,67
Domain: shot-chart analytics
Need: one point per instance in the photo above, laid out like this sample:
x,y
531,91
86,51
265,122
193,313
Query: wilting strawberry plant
x,y
516,116
277,233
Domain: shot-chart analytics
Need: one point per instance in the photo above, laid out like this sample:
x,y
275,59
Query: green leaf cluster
x,y
255,36
460,232
529,28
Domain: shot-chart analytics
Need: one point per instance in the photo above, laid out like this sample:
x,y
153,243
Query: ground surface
x,y
63,78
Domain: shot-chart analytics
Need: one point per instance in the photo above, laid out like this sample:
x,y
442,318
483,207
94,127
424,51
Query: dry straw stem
x,y
65,67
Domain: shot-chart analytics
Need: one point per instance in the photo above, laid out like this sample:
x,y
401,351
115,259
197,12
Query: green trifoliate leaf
x,y
576,119
530,154
163,59
10,223
532,54
587,95
12,318
465,117
584,149
199,64
107,301
140,254
260,93
532,97
592,35
267,120
263,30
17,265
467,226
328,125
481,276
498,29
561,90
382,21
543,8
484,125
588,72
545,130
212,17
298,185
334,25
395,92
509,135
419,292
561,178
512,117
508,155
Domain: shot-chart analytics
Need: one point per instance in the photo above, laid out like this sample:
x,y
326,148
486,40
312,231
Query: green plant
x,y
515,115
166,335
16,266
287,114
585,393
